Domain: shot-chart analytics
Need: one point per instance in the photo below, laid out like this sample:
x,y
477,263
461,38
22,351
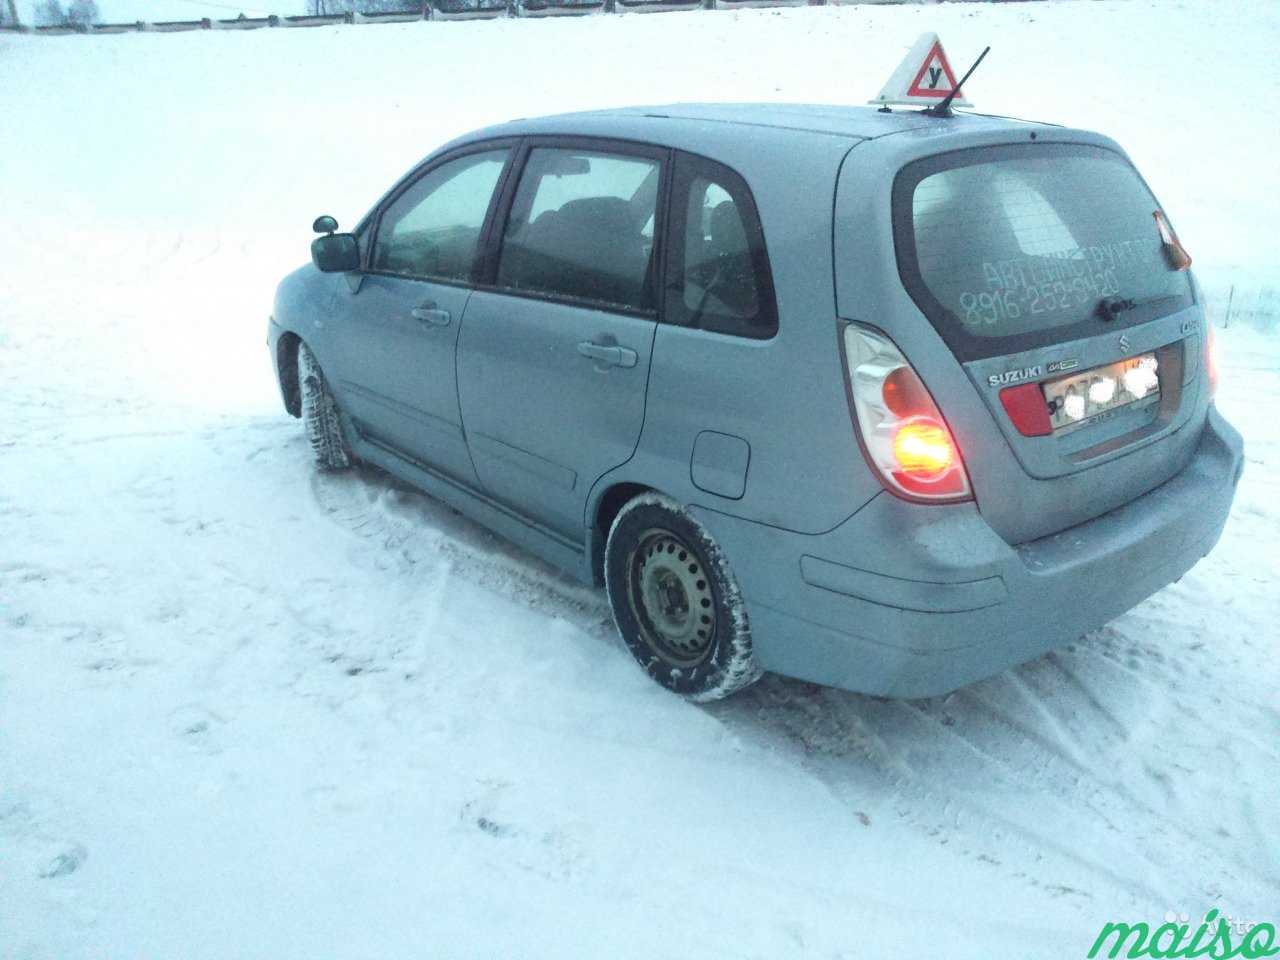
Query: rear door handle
x,y
614,356
432,314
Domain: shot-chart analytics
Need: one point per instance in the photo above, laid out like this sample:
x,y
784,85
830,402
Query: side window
x,y
581,226
718,269
433,228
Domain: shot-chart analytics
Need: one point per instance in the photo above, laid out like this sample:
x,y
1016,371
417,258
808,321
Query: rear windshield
x,y
1014,247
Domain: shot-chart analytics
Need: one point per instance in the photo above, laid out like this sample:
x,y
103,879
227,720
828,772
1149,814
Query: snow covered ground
x,y
246,711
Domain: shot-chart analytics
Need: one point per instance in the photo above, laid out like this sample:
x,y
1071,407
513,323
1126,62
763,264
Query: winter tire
x,y
676,602
320,415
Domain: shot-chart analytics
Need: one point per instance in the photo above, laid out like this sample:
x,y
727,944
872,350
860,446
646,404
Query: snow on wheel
x,y
675,601
320,414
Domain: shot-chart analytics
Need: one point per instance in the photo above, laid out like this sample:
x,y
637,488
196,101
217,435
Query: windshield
x,y
1009,248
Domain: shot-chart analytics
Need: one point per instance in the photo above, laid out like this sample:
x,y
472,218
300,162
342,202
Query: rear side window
x,y
581,227
431,231
719,270
1009,248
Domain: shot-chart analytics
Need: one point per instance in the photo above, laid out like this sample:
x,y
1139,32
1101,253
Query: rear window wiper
x,y
1111,307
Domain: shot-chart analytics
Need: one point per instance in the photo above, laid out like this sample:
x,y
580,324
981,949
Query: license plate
x,y
1085,398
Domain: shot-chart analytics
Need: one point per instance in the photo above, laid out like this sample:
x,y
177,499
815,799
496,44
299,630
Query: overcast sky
x,y
124,11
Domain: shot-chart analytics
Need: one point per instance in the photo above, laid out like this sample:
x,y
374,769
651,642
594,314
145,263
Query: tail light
x,y
905,438
1211,358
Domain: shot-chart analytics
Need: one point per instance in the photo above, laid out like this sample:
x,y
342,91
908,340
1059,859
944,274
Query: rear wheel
x,y
675,601
320,415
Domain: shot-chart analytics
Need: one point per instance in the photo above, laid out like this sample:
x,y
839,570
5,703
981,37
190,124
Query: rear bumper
x,y
911,601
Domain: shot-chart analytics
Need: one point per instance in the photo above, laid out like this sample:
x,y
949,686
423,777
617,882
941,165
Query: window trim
x,y
487,270
687,167
373,221
966,347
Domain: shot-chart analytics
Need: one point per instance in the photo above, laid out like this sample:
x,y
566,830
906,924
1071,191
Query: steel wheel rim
x,y
669,591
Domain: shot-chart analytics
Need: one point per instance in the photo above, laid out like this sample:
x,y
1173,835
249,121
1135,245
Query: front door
x,y
399,325
553,358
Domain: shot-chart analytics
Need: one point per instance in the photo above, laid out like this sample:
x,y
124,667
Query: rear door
x,y
553,359
1051,275
399,326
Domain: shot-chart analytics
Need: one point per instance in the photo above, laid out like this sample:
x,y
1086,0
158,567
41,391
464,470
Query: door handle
x,y
611,355
432,314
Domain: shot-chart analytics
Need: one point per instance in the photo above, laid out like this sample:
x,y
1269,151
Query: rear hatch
x,y
1052,276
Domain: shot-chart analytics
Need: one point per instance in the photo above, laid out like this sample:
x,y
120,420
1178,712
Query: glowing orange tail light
x,y
903,434
923,449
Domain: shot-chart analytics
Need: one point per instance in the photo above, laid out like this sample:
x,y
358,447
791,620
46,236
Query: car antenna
x,y
943,109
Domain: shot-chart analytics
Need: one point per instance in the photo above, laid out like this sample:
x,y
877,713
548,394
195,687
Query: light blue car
x,y
885,401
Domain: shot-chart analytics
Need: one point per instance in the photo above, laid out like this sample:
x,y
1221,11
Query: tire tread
x,y
320,415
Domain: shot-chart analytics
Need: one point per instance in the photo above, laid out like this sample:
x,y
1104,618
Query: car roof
x,y
651,122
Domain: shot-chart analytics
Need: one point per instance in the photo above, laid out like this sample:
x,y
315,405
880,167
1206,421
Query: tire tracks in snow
x,y
1030,732
1035,738
421,534
925,798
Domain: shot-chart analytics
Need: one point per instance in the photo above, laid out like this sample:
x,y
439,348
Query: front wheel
x,y
676,602
320,415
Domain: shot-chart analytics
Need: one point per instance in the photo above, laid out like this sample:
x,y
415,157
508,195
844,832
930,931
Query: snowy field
x,y
250,712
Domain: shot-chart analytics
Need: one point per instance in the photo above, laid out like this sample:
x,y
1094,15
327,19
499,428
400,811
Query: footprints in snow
x,y
65,863
553,854
199,727
52,859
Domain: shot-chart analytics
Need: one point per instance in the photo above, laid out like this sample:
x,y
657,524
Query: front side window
x,y
719,270
581,227
1010,248
432,230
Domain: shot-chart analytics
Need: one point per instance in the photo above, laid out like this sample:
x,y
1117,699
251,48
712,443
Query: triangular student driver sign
x,y
924,77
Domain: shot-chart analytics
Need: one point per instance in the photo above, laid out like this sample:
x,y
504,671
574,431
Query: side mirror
x,y
336,253
324,224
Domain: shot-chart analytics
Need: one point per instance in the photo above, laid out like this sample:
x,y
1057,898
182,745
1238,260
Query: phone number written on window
x,y
1063,280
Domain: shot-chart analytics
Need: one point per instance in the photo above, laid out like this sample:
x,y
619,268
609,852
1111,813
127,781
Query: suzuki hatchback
x,y
879,400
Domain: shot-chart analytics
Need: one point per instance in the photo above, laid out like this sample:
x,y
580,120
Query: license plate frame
x,y
1057,391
